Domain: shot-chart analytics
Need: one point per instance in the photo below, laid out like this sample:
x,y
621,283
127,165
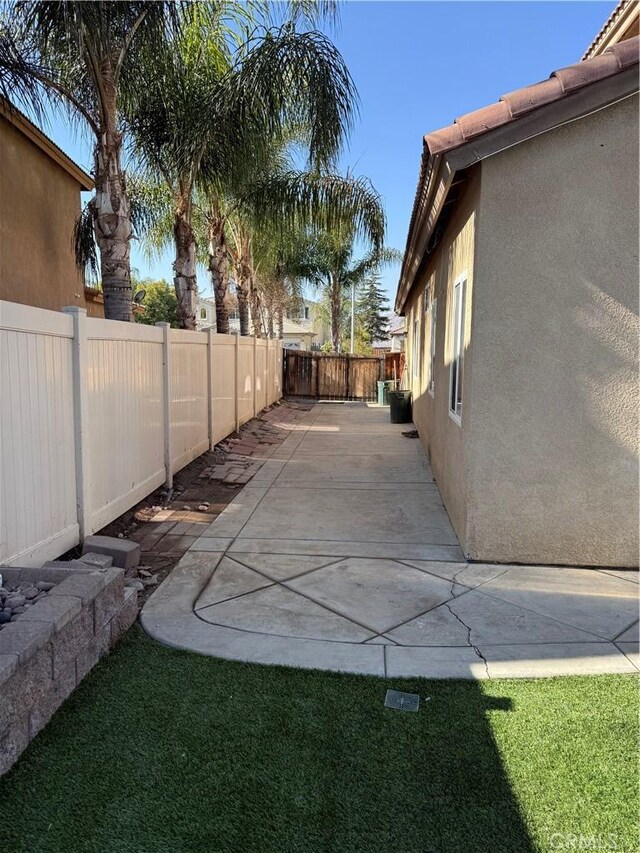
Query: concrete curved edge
x,y
168,617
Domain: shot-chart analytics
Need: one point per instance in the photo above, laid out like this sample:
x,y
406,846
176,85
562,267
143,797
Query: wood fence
x,y
331,377
96,414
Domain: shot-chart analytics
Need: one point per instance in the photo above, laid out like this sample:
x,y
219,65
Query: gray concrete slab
x,y
477,619
351,548
593,601
284,613
279,567
229,580
340,555
377,593
395,516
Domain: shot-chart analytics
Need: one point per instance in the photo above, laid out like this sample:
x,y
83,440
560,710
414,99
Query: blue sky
x,y
417,66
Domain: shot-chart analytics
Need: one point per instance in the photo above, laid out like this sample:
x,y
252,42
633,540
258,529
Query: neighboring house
x,y
308,320
621,25
39,203
205,312
520,288
298,333
398,333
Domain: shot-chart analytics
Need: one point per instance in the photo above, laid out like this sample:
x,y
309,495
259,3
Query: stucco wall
x,y
553,472
445,440
39,203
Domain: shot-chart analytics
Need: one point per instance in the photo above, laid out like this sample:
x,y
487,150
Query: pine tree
x,y
372,309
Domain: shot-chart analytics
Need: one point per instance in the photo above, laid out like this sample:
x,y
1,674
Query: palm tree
x,y
277,209
328,261
87,56
206,114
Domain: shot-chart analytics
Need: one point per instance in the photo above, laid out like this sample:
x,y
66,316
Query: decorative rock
x,y
31,593
18,610
186,507
44,586
144,573
203,508
134,584
152,581
4,617
14,601
120,535
156,508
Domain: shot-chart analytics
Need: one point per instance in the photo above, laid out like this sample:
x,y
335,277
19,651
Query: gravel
x,y
16,598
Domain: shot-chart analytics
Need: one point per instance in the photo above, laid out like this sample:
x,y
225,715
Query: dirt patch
x,y
167,522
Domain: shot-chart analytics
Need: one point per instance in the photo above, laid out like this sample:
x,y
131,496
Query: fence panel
x,y
246,378
38,510
125,402
96,414
223,364
189,389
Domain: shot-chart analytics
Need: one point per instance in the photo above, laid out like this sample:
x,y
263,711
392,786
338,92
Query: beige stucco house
x,y
520,288
39,203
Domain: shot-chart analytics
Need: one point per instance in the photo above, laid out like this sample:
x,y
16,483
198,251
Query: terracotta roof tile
x,y
515,104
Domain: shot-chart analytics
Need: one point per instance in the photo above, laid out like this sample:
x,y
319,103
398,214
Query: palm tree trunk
x,y
184,266
112,224
219,273
336,311
280,321
256,314
243,287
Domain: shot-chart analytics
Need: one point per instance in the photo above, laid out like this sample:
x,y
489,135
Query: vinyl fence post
x,y
237,379
255,376
81,417
210,334
166,401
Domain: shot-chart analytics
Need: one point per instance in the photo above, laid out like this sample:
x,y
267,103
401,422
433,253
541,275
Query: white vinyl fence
x,y
96,414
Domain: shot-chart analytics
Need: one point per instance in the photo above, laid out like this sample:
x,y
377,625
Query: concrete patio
x,y
339,555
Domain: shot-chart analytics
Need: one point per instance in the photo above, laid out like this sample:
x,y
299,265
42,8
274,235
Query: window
x,y
203,313
415,346
433,314
456,369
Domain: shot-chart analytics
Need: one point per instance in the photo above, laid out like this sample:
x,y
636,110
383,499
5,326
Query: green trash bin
x,y
383,391
400,407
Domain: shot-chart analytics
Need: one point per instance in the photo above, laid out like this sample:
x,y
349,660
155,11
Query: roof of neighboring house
x,y
290,328
20,121
621,24
570,93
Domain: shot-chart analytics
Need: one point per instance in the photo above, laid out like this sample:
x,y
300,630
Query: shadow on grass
x,y
164,752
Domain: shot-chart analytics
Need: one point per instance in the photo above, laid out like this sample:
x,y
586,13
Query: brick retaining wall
x,y
50,648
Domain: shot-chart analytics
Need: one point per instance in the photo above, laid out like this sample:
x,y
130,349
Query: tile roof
x,y
516,104
623,16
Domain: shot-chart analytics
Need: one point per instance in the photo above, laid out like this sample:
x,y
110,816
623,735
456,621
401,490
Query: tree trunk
x,y
256,314
219,273
184,266
243,289
280,320
112,224
336,311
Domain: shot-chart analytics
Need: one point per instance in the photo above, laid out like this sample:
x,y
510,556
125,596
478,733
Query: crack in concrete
x,y
467,628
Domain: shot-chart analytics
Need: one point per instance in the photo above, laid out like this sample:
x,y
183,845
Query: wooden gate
x,y
331,377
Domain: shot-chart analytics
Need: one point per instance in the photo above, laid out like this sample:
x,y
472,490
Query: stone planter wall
x,y
50,648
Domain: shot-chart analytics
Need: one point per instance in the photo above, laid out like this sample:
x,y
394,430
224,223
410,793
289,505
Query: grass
x,y
162,751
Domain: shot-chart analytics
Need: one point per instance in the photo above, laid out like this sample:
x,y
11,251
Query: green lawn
x,y
168,752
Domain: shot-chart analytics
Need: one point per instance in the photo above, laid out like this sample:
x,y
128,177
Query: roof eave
x,y
440,168
33,133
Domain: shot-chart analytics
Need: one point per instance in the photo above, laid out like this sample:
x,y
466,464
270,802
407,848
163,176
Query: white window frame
x,y
415,347
456,364
433,321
